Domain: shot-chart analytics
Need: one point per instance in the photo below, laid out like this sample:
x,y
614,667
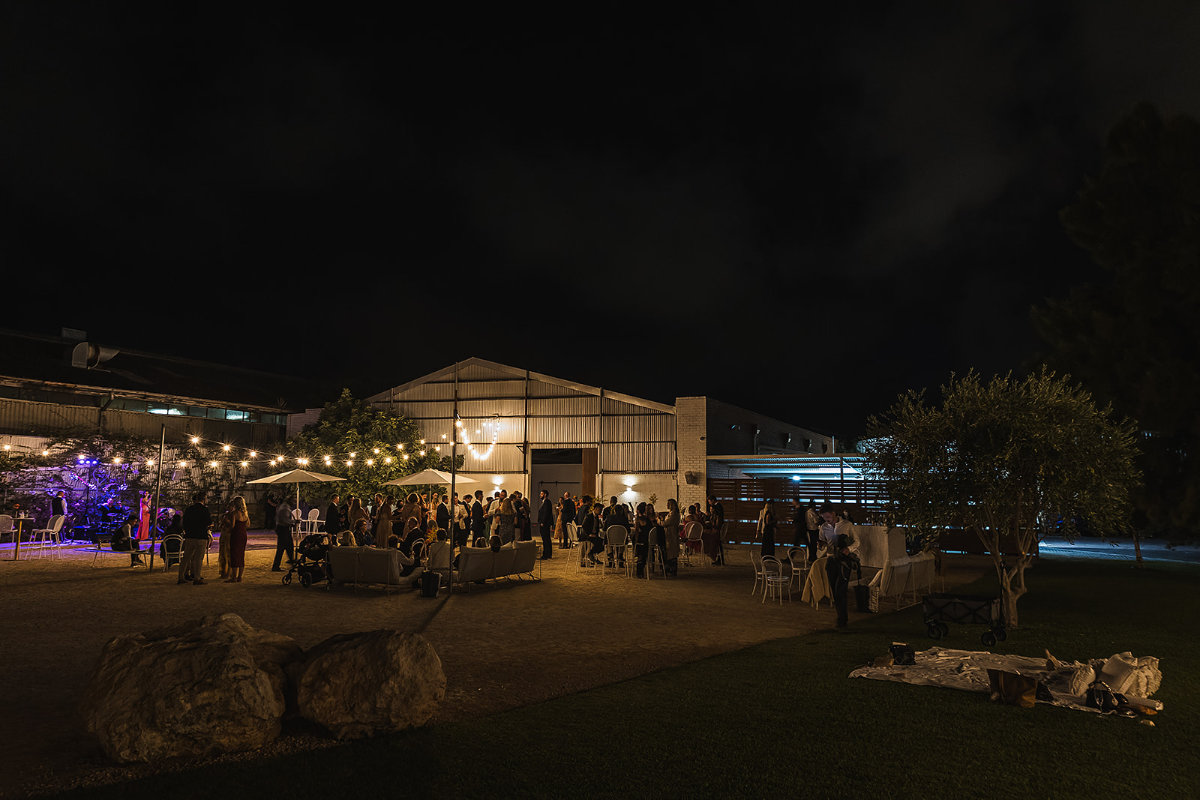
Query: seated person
x,y
123,541
346,537
414,531
362,533
438,554
170,550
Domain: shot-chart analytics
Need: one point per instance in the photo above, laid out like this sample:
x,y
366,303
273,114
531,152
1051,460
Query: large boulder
x,y
360,684
211,685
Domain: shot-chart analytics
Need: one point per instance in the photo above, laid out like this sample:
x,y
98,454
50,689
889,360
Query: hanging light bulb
x,y
438,448
387,460
370,462
245,463
225,447
116,459
183,465
195,440
354,455
349,463
422,453
376,451
406,456
149,462
328,460
254,454
213,464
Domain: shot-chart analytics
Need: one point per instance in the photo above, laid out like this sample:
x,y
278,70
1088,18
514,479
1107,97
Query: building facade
x,y
527,431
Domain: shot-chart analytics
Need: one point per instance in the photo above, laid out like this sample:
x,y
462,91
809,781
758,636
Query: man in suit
x,y
546,523
333,519
568,515
477,522
442,513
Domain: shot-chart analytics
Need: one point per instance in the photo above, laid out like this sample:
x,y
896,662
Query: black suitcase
x,y
862,597
430,583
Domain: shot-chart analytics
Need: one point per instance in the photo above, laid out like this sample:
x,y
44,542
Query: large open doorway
x,y
561,469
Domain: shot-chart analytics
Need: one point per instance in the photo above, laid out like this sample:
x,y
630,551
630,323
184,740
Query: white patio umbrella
x,y
297,476
428,477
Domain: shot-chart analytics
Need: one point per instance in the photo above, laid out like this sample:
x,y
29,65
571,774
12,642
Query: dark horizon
x,y
801,212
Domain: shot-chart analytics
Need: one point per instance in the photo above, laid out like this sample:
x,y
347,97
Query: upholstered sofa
x,y
482,563
369,565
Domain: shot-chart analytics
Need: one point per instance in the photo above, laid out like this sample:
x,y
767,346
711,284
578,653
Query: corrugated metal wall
x,y
631,438
49,419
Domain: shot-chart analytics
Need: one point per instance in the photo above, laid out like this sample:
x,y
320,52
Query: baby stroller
x,y
311,562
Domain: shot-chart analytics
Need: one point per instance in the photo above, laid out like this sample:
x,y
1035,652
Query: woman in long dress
x,y
237,540
766,528
383,522
143,529
671,529
506,521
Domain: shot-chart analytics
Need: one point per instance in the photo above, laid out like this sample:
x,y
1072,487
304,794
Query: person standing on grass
x,y
196,522
283,535
838,569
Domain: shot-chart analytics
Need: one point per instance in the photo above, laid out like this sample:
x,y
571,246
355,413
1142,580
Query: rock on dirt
x,y
361,684
211,685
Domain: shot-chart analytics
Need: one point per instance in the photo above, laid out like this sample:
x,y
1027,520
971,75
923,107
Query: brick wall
x,y
691,426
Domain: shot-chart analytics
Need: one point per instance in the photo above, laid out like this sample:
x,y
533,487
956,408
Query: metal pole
x,y
454,463
157,495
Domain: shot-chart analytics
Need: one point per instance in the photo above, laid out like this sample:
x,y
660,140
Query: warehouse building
x,y
528,431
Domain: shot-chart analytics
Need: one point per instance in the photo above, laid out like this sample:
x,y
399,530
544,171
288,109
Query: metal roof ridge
x,y
521,373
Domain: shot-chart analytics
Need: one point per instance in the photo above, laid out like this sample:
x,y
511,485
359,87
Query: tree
x,y
385,446
1133,337
103,474
1009,460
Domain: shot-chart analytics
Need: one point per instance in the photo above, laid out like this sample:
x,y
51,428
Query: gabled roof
x,y
482,369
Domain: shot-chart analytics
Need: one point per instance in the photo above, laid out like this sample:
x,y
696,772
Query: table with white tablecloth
x,y
877,544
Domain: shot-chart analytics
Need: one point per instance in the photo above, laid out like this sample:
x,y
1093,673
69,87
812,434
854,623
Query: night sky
x,y
802,211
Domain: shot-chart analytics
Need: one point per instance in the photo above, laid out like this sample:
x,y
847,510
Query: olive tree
x,y
386,447
1007,459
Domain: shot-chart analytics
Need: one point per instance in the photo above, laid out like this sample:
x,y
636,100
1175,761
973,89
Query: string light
x,y
279,460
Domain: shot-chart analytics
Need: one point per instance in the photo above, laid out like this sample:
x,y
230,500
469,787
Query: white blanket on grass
x,y
1136,678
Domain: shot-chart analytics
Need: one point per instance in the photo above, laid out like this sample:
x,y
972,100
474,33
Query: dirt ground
x,y
502,645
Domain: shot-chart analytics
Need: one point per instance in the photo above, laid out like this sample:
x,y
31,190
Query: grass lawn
x,y
782,720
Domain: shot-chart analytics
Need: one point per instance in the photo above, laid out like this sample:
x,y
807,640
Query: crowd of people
x,y
415,522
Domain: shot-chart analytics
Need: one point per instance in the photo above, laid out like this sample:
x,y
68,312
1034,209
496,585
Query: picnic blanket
x,y
1136,678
